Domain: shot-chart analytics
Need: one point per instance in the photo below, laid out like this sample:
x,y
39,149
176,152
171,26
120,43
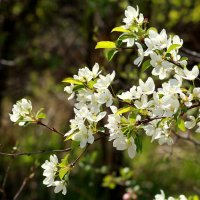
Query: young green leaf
x,y
181,124
105,45
146,65
173,47
110,54
91,84
123,110
73,81
120,29
63,171
41,116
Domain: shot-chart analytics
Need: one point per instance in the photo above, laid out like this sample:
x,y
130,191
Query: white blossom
x,y
162,68
131,148
141,54
147,87
50,169
189,75
60,186
132,15
104,81
191,123
21,112
83,136
196,92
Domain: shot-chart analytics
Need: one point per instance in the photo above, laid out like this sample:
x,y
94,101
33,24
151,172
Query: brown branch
x,y
6,175
3,193
25,181
187,137
50,128
146,121
44,151
34,152
79,157
190,52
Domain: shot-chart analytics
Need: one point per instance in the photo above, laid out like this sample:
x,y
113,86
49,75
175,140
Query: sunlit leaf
x,y
105,45
181,124
123,110
173,47
120,29
73,81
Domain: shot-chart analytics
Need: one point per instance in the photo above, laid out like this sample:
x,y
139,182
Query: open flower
x,y
21,112
191,123
188,75
147,87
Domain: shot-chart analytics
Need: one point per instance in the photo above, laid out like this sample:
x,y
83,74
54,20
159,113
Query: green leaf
x,y
64,161
110,54
109,181
63,171
120,29
72,80
78,87
184,58
138,142
101,129
146,65
181,124
173,47
41,116
124,36
91,84
105,45
195,197
123,110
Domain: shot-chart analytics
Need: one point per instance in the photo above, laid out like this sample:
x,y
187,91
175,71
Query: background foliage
x,y
42,42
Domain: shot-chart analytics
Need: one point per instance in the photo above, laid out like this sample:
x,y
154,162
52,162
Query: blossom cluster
x,y
146,108
50,172
21,112
161,196
90,98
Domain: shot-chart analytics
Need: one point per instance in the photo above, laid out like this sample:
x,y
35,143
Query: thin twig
x,y
145,121
190,52
25,181
35,152
188,138
79,157
6,175
44,151
3,192
50,128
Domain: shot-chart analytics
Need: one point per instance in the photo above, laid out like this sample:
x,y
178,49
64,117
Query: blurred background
x,y
41,43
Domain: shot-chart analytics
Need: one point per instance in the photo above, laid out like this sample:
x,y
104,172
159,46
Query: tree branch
x,y
145,121
45,151
190,52
50,128
25,181
188,138
34,152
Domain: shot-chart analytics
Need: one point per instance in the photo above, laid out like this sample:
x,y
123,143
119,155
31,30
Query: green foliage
x,y
146,64
120,29
105,45
173,47
124,110
181,124
72,81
